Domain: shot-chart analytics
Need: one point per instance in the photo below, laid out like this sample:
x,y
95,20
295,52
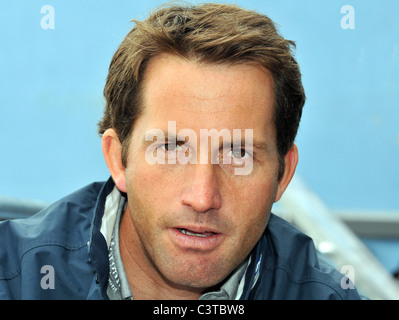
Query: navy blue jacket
x,y
60,253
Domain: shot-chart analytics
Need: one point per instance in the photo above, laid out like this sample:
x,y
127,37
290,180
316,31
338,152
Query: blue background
x,y
51,84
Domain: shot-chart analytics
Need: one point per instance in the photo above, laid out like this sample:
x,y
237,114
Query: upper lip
x,y
197,229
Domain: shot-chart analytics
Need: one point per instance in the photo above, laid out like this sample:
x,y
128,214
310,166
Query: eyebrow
x,y
166,137
261,145
257,145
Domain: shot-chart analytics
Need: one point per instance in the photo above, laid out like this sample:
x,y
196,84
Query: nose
x,y
203,192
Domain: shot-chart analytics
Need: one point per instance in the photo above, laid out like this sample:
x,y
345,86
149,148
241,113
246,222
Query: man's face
x,y
193,224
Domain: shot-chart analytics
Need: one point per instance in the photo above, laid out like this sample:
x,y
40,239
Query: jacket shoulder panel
x,y
293,268
50,227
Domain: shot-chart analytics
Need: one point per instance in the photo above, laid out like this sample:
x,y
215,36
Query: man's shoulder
x,y
294,269
60,230
71,213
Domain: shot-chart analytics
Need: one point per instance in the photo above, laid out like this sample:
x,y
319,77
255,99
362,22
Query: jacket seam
x,y
17,272
305,280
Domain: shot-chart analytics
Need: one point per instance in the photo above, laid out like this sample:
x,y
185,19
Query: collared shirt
x,y
118,285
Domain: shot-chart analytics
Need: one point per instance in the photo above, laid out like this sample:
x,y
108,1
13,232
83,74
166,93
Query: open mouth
x,y
196,234
196,238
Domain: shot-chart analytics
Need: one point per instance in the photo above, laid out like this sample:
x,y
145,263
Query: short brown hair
x,y
211,33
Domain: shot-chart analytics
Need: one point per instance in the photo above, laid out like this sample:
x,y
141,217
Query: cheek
x,y
256,196
253,206
145,203
152,187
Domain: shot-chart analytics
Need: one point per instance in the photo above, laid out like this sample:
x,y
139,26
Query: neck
x,y
144,280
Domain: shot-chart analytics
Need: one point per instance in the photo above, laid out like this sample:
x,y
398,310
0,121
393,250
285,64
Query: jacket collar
x,y
97,246
255,265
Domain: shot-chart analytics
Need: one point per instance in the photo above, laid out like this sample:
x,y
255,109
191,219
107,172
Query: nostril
x,y
202,202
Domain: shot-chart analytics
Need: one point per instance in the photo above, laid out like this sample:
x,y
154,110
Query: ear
x,y
112,151
291,161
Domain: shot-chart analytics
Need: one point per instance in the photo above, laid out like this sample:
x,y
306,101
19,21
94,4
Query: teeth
x,y
194,234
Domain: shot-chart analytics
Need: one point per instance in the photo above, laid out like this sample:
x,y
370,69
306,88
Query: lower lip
x,y
194,242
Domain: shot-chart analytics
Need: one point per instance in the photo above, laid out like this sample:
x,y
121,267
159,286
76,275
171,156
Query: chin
x,y
199,275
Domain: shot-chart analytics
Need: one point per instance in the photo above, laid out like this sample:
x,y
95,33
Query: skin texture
x,y
230,211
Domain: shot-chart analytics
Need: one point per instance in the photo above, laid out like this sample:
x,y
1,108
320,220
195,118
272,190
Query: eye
x,y
239,153
170,146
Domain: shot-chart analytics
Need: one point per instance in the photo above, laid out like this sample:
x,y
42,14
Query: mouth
x,y
196,238
196,234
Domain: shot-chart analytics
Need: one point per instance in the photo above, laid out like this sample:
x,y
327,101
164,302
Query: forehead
x,y
205,96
